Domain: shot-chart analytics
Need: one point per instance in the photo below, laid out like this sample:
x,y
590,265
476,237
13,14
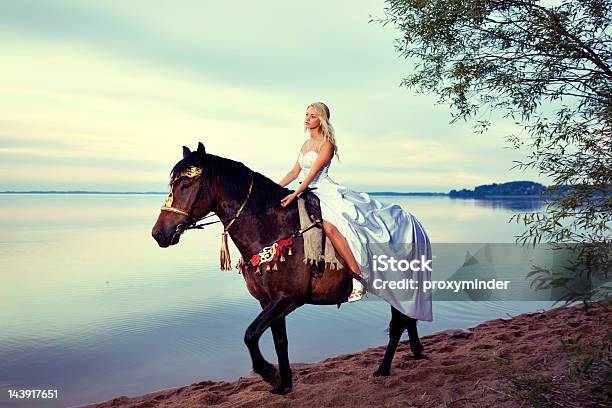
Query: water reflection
x,y
514,204
90,305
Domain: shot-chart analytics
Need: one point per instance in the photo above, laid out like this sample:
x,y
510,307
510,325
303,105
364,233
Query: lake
x,y
92,307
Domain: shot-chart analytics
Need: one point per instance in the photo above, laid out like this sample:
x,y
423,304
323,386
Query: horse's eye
x,y
185,186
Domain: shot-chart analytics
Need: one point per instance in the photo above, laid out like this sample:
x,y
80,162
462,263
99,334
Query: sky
x,y
103,95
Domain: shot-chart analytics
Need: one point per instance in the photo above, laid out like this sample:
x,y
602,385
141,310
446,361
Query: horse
x,y
248,205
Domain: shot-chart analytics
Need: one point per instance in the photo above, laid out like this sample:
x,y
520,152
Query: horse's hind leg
x,y
415,343
278,308
396,327
279,333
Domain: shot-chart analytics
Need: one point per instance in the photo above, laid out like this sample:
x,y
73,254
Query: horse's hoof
x,y
421,356
382,373
281,389
268,373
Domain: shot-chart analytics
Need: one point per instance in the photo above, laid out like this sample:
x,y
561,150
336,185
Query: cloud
x,y
112,90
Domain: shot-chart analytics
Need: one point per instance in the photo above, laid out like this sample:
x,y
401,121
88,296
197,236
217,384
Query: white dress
x,y
374,228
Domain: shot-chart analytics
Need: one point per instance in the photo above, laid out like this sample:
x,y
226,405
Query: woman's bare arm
x,y
292,175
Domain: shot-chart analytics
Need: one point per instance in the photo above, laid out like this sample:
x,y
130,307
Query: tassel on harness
x,y
225,258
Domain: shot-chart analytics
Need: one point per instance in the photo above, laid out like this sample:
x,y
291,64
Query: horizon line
x,y
166,193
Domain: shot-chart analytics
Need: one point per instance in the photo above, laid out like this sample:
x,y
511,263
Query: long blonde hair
x,y
322,112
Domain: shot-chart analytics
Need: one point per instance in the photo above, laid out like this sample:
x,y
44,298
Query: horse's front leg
x,y
279,333
396,327
279,307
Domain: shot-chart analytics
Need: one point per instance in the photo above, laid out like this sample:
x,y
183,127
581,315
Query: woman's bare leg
x,y
341,245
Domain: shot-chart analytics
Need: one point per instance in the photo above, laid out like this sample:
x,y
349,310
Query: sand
x,y
528,360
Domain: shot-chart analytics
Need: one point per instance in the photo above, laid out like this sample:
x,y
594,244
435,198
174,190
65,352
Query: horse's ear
x,y
201,149
186,151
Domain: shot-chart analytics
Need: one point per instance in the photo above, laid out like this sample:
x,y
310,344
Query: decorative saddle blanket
x,y
317,247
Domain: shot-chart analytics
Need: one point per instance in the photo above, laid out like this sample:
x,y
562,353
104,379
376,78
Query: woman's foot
x,y
357,293
358,286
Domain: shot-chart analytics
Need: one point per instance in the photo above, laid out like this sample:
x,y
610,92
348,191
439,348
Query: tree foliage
x,y
548,66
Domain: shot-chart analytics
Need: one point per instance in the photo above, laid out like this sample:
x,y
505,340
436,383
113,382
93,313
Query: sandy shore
x,y
533,359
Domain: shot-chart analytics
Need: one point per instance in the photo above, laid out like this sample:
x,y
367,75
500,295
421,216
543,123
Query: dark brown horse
x,y
203,183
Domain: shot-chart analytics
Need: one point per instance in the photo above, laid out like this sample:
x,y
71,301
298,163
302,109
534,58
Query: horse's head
x,y
189,199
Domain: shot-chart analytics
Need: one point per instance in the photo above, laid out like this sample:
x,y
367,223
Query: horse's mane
x,y
235,177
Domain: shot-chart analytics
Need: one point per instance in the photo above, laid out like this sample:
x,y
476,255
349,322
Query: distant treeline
x,y
512,188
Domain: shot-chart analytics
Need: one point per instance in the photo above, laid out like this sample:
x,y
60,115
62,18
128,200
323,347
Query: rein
x,y
190,223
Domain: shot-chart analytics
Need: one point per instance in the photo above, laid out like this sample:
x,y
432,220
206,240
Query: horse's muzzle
x,y
164,240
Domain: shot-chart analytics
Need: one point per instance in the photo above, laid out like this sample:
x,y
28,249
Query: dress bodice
x,y
306,161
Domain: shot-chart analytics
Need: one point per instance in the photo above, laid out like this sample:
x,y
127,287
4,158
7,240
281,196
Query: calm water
x,y
92,307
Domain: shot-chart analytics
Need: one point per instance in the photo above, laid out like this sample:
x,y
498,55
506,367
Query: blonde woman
x,y
313,162
351,219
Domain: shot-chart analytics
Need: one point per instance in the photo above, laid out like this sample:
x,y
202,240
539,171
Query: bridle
x,y
190,222
190,172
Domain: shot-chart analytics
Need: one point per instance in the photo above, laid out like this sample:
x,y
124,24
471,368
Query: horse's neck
x,y
259,224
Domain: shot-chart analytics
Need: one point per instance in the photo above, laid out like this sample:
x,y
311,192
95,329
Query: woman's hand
x,y
288,199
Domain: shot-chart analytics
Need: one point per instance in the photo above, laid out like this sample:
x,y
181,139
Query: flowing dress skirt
x,y
376,232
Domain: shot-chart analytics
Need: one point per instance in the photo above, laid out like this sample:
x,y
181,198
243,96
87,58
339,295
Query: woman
x,y
353,220
312,164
